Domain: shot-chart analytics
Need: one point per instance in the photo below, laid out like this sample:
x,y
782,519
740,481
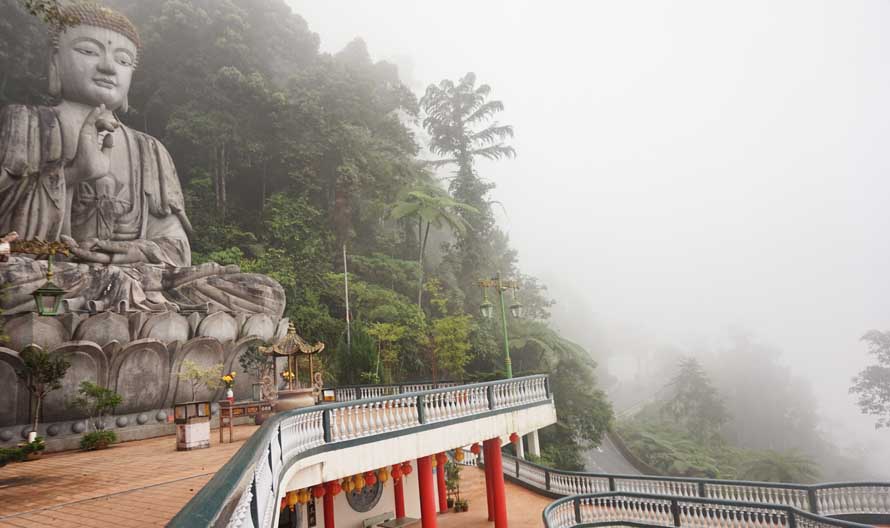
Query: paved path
x,y
523,506
141,483
607,459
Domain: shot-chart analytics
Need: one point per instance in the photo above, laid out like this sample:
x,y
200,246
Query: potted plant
x,y
96,401
229,381
41,374
195,376
259,365
461,505
32,450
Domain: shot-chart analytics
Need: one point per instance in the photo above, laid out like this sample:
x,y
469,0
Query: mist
x,y
683,169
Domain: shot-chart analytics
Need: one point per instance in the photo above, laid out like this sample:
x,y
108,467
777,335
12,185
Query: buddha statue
x,y
73,172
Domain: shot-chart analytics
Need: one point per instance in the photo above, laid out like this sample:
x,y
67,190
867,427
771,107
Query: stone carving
x,y
141,369
73,172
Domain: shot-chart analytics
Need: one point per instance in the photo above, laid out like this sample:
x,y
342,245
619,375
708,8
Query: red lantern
x,y
475,449
514,438
396,472
334,488
407,469
318,492
370,478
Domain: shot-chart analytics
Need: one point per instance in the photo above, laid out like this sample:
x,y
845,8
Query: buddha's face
x,y
95,66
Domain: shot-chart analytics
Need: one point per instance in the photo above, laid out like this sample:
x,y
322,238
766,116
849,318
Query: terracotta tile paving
x,y
523,506
141,483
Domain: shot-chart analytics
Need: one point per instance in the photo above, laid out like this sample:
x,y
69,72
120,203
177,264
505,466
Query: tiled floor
x,y
142,483
523,507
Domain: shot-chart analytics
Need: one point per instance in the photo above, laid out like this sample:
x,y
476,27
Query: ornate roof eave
x,y
292,344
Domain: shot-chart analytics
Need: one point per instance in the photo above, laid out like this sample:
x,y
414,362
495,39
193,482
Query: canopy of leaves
x,y
872,384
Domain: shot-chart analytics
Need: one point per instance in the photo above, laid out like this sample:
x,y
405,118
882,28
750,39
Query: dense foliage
x,y
289,157
683,434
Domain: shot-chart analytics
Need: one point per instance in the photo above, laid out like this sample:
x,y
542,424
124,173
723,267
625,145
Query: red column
x,y
440,482
399,490
427,492
488,488
328,501
497,480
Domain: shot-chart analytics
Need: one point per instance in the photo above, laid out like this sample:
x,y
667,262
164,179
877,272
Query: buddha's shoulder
x,y
26,113
148,140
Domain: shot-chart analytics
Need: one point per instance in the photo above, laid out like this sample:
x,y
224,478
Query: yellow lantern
x,y
304,496
359,482
382,475
459,454
292,499
348,485
433,458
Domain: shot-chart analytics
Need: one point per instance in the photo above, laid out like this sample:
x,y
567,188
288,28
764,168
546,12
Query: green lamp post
x,y
48,297
487,309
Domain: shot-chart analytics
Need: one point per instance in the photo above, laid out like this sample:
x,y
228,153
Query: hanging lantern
x,y
370,478
334,488
359,482
318,491
348,485
476,449
459,454
406,468
514,438
434,460
383,475
396,472
292,500
283,503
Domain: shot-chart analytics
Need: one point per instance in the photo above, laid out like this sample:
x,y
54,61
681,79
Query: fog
x,y
683,167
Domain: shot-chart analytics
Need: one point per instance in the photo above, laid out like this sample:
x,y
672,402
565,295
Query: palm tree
x,y
432,207
454,111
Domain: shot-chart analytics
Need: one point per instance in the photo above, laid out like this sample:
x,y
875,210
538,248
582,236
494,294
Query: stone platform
x,y
137,354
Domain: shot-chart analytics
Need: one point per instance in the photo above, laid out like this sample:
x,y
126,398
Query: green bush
x,y
97,440
36,446
10,454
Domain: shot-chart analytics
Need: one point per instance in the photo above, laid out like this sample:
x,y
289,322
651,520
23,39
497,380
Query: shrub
x,y
11,454
97,440
97,401
36,446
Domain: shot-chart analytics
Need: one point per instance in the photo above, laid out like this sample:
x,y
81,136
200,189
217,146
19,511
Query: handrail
x,y
834,498
244,491
360,392
640,509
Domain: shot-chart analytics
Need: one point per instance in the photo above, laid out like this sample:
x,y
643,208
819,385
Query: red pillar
x,y
440,482
427,492
399,490
328,501
488,487
497,480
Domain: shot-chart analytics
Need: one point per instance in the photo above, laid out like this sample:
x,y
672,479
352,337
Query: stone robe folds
x,y
36,202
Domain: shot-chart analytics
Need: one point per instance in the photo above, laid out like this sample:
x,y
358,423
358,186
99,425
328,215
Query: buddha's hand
x,y
92,160
116,252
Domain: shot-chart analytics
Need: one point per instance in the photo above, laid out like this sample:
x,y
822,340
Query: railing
x,y
361,392
638,509
834,499
244,492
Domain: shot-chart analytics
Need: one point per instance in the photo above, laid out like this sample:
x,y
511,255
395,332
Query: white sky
x,y
683,166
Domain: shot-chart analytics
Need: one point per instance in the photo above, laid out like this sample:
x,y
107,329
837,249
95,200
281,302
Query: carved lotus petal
x,y
166,327
103,329
220,325
30,328
260,326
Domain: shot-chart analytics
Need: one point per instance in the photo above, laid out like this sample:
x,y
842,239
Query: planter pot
x,y
34,455
294,399
257,391
230,395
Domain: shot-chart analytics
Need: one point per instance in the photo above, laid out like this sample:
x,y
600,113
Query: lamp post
x,y
487,309
48,297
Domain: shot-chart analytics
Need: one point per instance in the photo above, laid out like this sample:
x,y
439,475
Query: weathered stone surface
x,y
206,352
260,325
219,325
88,363
166,327
103,329
30,328
14,397
140,373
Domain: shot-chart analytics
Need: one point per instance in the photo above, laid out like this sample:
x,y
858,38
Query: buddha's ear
x,y
55,79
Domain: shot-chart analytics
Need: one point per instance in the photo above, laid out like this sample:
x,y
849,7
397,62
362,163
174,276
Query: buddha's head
x,y
92,61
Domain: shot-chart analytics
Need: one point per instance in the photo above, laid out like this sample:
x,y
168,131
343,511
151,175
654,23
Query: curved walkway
x,y
140,483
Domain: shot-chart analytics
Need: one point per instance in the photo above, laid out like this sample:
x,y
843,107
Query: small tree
x,y
255,362
97,401
196,376
41,373
872,385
